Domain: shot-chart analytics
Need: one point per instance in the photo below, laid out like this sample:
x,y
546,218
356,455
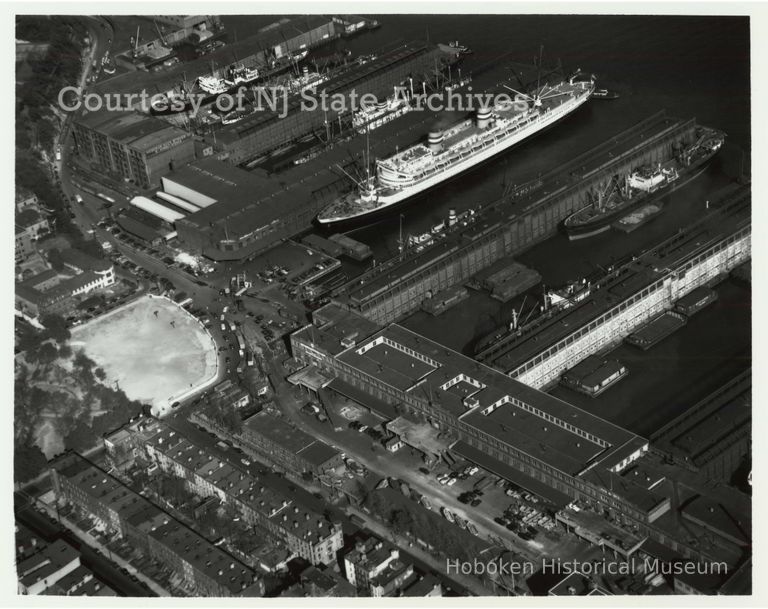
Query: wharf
x,y
262,209
287,34
628,278
530,213
711,426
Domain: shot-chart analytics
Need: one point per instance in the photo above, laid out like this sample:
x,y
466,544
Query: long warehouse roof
x,y
156,209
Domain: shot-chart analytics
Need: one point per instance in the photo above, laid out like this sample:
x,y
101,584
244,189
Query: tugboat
x,y
620,195
605,94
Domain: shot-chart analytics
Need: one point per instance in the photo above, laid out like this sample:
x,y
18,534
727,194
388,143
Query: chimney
x,y
435,141
483,117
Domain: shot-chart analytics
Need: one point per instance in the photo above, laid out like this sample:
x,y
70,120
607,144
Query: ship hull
x,y
603,223
390,202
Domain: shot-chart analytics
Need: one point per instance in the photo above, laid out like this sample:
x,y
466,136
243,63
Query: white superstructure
x,y
460,147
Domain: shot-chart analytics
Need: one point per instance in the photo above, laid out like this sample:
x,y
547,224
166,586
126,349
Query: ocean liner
x,y
460,147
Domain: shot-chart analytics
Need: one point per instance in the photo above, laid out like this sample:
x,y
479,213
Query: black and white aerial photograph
x,y
407,304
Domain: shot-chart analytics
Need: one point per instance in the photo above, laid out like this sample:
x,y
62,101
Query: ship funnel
x,y
305,71
382,105
451,217
435,141
483,117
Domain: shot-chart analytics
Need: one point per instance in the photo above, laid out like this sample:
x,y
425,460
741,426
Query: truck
x,y
79,199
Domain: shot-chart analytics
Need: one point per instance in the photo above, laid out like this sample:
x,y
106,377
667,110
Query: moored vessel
x,y
619,195
460,147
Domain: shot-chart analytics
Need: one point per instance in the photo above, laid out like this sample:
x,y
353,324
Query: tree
x,y
28,462
55,259
56,328
46,354
100,374
45,134
83,361
81,436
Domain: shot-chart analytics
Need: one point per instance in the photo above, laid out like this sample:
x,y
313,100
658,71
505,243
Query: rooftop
x,y
630,278
138,131
134,508
205,557
553,431
730,521
245,200
291,438
83,261
234,480
577,584
46,562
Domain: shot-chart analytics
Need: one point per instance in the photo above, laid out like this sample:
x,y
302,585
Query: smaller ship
x,y
240,75
170,102
230,118
605,94
212,85
236,75
374,116
440,230
307,80
457,48
555,299
619,195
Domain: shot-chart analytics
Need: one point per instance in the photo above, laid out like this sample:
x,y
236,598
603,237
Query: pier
x,y
527,215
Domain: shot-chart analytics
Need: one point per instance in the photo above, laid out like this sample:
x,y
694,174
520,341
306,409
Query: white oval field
x,y
153,349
